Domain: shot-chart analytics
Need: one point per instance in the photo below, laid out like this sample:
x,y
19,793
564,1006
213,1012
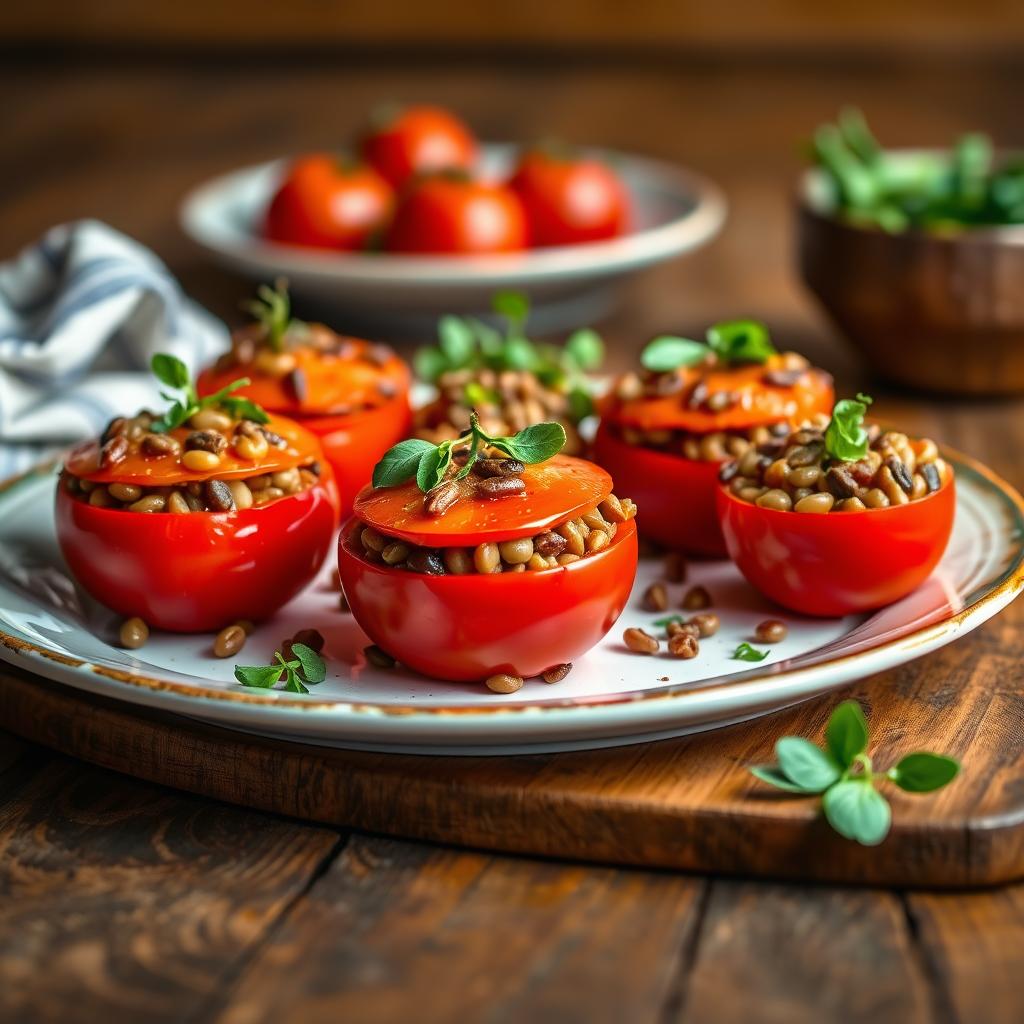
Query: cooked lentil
x,y
799,476
695,599
504,683
682,645
771,631
557,673
230,640
639,641
656,598
675,567
134,633
707,623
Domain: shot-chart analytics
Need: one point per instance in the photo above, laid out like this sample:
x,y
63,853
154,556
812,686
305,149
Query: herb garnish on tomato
x,y
733,342
846,440
173,373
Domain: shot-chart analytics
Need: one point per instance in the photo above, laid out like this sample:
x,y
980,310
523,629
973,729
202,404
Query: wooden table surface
x,y
125,901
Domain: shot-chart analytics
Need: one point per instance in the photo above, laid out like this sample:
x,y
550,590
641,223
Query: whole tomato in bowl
x,y
455,214
326,202
569,199
401,144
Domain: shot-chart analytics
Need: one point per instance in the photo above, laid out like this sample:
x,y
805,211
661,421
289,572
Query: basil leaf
x,y
513,305
741,341
519,354
400,462
488,338
747,653
586,348
170,370
261,676
856,810
432,466
847,733
456,340
846,440
244,409
174,417
218,396
294,683
429,364
534,444
667,353
808,766
771,774
922,772
313,667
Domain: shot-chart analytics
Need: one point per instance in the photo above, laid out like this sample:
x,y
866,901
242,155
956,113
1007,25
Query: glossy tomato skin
x,y
466,628
570,200
353,444
419,140
325,204
840,562
675,497
202,571
457,216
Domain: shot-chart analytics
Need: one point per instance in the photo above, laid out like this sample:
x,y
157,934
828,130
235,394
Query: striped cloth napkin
x,y
82,312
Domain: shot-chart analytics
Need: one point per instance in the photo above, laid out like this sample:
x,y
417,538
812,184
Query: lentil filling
x,y
795,473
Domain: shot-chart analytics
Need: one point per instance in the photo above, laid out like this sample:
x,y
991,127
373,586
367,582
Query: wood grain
x,y
121,900
687,803
396,928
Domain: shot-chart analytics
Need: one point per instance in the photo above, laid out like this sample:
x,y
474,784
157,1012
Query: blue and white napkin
x,y
82,312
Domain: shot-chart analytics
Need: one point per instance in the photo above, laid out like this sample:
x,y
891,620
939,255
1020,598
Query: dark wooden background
x,y
125,901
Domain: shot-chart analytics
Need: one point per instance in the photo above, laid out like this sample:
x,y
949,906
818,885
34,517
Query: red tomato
x,y
570,199
327,204
840,562
453,214
556,490
353,442
202,571
418,140
675,497
471,627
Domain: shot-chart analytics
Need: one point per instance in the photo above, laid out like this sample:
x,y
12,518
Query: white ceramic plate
x,y
611,697
676,211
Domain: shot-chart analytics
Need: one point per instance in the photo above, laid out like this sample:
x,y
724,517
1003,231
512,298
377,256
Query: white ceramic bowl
x,y
675,211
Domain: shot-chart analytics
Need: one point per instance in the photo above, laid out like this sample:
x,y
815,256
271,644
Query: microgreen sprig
x,y
173,373
429,463
465,343
272,308
747,653
734,342
843,773
306,666
846,440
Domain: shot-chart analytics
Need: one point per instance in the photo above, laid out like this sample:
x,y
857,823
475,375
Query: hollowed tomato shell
x,y
202,571
675,497
471,627
840,562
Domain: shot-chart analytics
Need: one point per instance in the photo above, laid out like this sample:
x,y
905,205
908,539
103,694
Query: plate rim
x,y
676,236
997,595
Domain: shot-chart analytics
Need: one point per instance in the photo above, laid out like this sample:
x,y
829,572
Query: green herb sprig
x,y
465,343
306,666
734,342
846,440
954,190
747,653
429,463
843,773
173,373
272,308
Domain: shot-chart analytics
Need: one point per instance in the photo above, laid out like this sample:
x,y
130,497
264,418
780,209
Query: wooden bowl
x,y
935,312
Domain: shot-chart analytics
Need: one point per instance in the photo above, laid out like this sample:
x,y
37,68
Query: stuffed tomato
x,y
838,521
352,394
514,560
212,513
664,433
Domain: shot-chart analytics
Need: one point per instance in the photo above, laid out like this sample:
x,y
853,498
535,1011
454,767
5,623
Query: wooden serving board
x,y
688,803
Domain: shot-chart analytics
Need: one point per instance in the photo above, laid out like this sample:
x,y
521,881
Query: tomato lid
x,y
779,390
556,490
349,375
301,447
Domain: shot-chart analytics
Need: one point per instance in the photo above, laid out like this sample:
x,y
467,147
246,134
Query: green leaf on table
x,y
847,733
741,341
668,352
667,621
261,676
807,765
774,776
856,810
534,444
922,772
400,462
294,683
313,668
